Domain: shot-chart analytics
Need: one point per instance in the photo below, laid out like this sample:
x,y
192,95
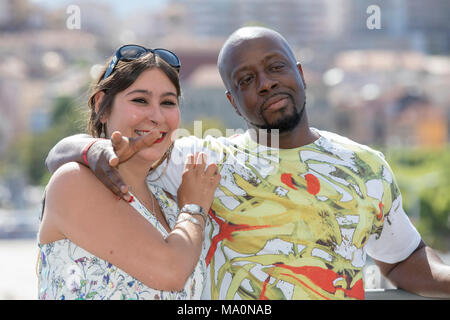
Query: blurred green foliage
x,y
423,176
31,149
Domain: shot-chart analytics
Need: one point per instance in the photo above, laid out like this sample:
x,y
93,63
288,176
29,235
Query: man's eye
x,y
277,67
245,81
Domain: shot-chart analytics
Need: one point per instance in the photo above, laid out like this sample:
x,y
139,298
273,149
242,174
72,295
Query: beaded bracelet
x,y
86,149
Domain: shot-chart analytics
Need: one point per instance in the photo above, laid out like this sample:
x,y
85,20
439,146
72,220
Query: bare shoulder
x,y
68,171
73,187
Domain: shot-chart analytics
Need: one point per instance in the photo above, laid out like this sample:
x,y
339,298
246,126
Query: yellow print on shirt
x,y
298,232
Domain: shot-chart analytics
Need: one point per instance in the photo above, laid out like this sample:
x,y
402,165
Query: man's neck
x,y
300,136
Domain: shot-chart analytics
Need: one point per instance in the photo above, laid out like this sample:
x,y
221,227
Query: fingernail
x,y
131,199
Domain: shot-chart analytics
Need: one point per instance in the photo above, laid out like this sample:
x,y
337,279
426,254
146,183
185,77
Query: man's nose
x,y
266,84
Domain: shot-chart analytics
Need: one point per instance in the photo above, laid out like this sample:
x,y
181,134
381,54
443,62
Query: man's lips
x,y
274,103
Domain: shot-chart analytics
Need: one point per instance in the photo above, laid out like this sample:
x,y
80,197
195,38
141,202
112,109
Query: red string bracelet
x,y
86,149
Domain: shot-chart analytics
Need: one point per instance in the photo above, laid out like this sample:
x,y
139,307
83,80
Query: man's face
x,y
265,84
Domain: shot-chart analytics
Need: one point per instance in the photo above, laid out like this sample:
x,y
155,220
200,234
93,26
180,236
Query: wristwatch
x,y
194,209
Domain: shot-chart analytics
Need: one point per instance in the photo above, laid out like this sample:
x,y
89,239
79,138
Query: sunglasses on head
x,y
131,52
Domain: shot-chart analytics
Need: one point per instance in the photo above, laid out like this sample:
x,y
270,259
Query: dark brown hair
x,y
123,76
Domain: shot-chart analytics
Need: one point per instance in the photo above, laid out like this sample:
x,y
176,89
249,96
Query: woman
x,y
96,246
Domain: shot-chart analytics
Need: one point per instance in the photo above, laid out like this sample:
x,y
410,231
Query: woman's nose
x,y
154,114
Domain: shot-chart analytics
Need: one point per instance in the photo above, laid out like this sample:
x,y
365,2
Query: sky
x,y
119,6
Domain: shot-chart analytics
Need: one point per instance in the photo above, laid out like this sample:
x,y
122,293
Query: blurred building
x,y
301,22
408,24
390,98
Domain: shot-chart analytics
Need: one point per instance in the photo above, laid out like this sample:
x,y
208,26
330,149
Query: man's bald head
x,y
240,37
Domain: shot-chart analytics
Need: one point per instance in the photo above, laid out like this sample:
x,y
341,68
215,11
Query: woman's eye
x,y
140,100
168,103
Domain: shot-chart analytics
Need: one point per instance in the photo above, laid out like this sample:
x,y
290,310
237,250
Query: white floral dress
x,y
67,271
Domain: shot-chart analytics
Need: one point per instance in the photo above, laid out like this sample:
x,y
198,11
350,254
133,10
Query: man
x,y
295,213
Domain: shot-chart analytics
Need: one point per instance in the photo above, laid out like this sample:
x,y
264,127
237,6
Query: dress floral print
x,y
67,271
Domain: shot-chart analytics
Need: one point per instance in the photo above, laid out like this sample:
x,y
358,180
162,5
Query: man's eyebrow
x,y
264,60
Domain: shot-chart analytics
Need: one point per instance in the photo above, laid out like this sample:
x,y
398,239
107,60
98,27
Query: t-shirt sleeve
x,y
398,238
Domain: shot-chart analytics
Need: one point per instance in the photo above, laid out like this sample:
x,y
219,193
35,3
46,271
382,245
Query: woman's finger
x,y
189,163
200,161
211,170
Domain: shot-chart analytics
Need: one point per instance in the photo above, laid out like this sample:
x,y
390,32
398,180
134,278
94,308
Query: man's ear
x,y
98,100
299,67
230,98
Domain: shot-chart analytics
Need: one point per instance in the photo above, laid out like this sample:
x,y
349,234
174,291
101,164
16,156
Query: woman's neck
x,y
134,173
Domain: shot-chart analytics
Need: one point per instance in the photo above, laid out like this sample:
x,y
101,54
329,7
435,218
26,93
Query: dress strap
x,y
42,205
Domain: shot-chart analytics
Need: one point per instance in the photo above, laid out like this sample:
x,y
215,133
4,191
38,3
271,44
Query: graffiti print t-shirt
x,y
296,223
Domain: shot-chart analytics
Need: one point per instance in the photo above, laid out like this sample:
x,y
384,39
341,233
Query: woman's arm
x,y
86,212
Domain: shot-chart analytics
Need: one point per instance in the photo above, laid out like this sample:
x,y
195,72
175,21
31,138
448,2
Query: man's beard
x,y
286,123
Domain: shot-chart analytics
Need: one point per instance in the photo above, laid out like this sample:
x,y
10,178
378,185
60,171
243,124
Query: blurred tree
x,y
423,176
32,149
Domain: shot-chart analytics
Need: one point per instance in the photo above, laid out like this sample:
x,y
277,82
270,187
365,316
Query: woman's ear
x,y
97,101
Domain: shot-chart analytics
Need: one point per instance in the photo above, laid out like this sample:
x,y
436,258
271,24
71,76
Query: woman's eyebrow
x,y
140,91
169,93
149,93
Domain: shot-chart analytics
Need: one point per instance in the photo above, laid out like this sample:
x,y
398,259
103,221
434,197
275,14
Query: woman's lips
x,y
161,138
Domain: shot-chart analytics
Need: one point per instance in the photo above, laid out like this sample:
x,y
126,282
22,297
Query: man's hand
x,y
104,157
125,147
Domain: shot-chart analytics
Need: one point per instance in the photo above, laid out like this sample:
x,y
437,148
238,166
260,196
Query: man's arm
x,y
103,156
101,160
422,273
67,150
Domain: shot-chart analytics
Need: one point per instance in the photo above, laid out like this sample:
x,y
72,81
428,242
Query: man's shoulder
x,y
207,143
336,143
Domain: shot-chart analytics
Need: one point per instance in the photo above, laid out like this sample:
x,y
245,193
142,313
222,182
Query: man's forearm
x,y
67,150
423,273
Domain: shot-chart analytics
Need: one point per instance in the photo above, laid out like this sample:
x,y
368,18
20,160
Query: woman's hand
x,y
198,185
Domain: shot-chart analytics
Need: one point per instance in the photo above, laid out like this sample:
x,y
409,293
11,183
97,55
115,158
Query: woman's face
x,y
149,104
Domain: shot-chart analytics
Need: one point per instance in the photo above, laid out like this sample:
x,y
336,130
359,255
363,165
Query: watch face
x,y
193,207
